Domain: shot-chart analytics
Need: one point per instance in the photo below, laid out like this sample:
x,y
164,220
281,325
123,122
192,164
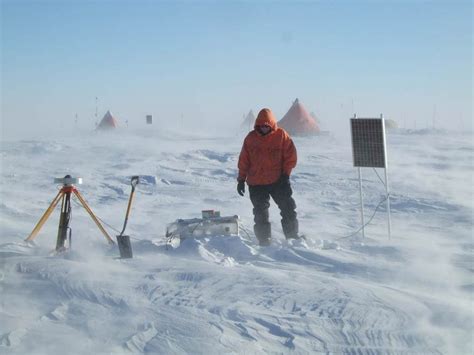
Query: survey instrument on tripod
x,y
64,230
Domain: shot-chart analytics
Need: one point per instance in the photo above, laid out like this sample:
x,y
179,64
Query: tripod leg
x,y
94,218
45,217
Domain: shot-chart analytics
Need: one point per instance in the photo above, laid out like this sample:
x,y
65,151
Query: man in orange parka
x,y
267,157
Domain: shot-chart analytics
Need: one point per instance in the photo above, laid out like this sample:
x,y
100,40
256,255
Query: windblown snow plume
x,y
333,293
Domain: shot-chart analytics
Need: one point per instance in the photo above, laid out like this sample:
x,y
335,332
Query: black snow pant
x,y
281,193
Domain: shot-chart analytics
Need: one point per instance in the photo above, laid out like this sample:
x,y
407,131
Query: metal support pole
x,y
361,203
359,172
389,219
387,190
64,220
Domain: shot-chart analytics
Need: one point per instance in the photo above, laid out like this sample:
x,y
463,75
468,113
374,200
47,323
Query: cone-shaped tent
x,y
248,122
316,118
298,121
108,122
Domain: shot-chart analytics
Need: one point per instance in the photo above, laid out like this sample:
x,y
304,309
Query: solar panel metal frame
x,y
368,142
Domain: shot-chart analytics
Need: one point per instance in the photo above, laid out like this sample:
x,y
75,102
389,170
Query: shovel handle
x,y
134,182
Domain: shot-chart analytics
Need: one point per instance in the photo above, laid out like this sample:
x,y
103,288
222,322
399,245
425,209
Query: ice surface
x,y
408,295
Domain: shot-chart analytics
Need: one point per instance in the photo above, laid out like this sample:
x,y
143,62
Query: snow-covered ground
x,y
412,294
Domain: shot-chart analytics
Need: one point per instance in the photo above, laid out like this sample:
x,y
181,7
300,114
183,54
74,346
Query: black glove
x,y
241,187
284,179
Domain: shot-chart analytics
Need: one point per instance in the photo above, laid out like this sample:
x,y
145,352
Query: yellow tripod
x,y
64,195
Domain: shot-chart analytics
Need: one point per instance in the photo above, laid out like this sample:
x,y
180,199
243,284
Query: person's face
x,y
265,129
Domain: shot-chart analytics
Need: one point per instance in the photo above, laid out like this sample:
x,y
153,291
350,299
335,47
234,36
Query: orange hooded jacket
x,y
263,159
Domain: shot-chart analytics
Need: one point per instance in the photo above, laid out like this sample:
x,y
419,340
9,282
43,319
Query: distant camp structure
x,y
316,118
248,122
298,122
108,122
391,124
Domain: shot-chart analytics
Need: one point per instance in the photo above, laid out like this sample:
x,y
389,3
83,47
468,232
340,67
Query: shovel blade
x,y
125,247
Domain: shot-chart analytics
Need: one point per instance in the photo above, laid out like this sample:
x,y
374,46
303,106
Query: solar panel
x,y
368,142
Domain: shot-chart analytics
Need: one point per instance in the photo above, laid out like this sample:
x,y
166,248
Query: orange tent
x,y
248,122
108,122
298,122
312,114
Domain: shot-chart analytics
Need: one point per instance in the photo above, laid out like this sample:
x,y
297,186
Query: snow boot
x,y
263,232
290,229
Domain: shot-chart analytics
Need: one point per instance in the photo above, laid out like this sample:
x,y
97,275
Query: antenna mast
x,y
96,109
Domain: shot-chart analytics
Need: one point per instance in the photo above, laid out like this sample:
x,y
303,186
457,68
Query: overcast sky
x,y
209,62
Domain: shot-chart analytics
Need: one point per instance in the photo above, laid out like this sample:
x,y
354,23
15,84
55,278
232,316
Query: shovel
x,y
123,241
